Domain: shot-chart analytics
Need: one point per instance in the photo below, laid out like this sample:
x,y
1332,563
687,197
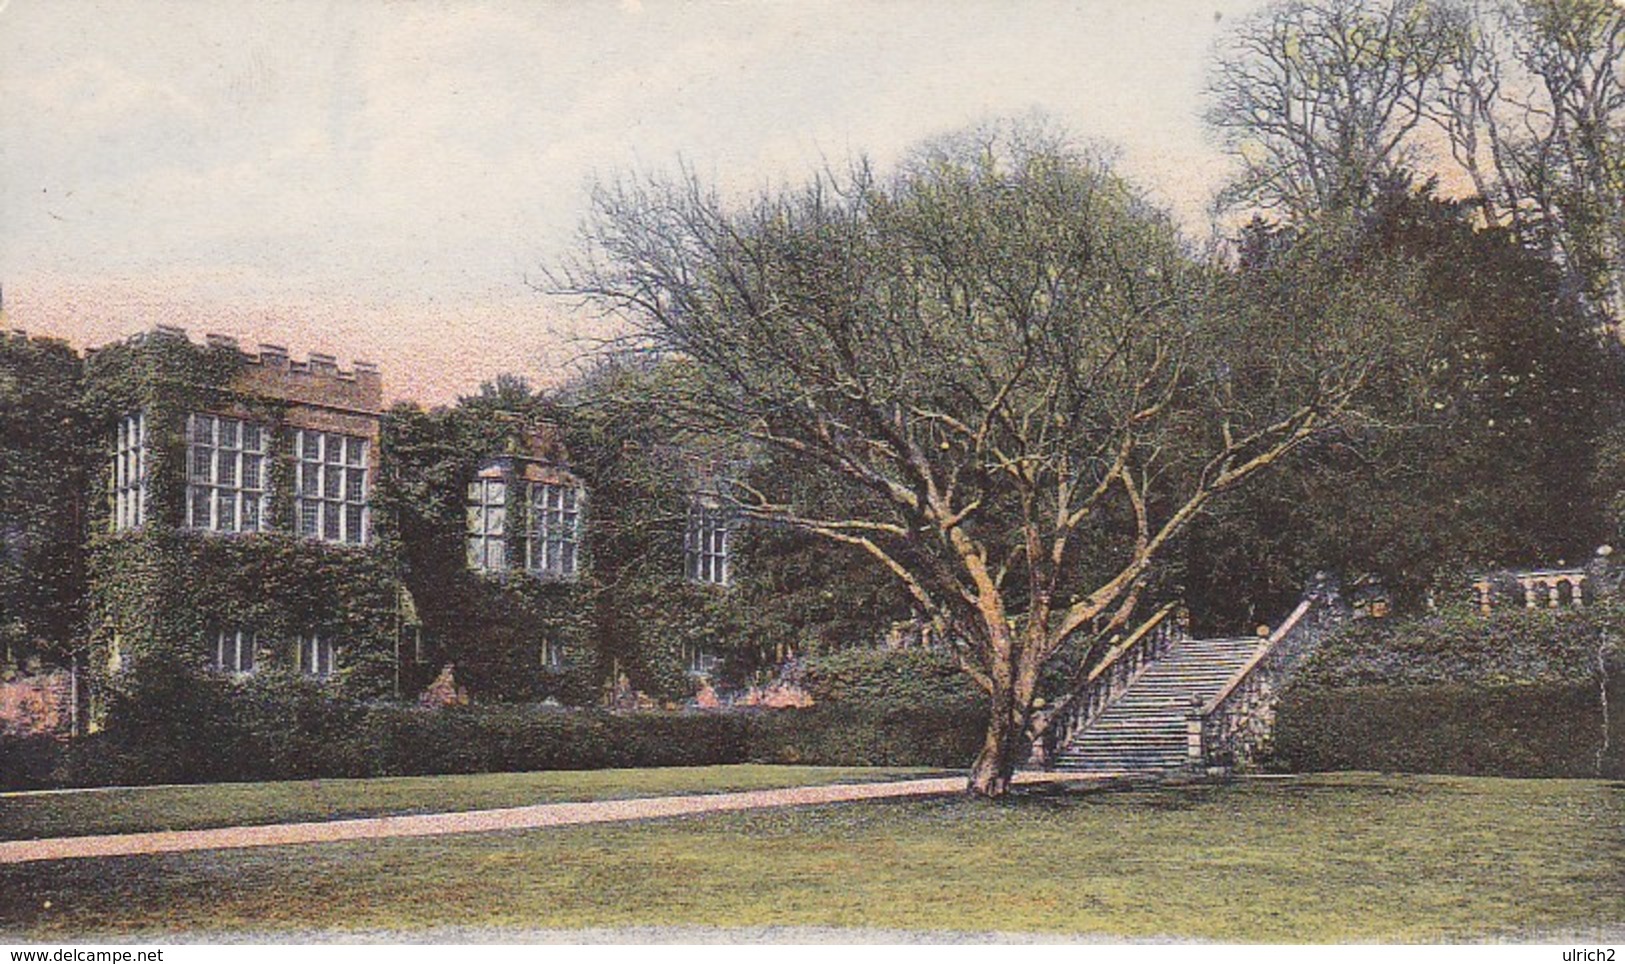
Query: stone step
x,y
1126,764
1131,735
1177,664
1145,733
1217,674
1177,686
1106,736
1174,754
1156,686
1151,762
1136,731
1169,751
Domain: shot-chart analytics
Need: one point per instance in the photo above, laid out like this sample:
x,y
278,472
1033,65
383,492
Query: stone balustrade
x,y
1230,729
1538,588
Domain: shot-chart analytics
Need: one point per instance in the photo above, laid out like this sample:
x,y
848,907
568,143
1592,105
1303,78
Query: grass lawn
x,y
1351,857
31,815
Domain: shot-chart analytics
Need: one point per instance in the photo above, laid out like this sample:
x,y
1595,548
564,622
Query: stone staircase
x,y
1146,728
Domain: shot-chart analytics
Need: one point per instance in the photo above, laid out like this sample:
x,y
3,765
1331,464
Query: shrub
x,y
1529,730
278,726
909,707
836,735
288,727
167,725
1513,693
396,740
1461,645
879,681
30,761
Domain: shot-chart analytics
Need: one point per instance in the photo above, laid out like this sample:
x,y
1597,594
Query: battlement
x,y
271,372
21,336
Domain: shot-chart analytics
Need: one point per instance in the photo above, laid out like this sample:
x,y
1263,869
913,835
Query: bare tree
x,y
1318,100
1533,105
1004,351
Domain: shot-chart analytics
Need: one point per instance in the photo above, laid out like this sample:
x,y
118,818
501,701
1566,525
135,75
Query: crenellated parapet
x,y
271,372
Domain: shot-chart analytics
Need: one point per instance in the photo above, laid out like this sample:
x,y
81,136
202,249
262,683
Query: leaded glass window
x,y
706,545
234,651
226,467
553,543
130,472
330,488
487,525
317,656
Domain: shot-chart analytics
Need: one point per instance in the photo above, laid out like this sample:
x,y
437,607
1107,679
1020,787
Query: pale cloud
x,y
87,96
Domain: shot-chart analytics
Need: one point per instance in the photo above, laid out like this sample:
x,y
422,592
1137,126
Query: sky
x,y
386,180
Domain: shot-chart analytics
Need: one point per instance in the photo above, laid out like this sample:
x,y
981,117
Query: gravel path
x,y
475,821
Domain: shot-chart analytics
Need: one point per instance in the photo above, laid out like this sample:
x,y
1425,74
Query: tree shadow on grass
x,y
1172,794
1147,792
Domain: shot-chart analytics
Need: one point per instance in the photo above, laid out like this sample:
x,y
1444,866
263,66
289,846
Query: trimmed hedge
x,y
29,762
297,737
1528,730
908,708
889,680
388,740
1512,693
834,735
1458,645
406,741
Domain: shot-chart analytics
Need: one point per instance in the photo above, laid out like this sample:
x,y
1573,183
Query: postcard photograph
x,y
503,472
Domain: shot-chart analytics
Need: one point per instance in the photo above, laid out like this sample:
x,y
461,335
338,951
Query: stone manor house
x,y
238,526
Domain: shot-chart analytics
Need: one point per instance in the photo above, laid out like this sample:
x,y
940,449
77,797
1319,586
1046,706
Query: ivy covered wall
x,y
630,612
144,604
789,594
626,612
159,592
509,635
44,452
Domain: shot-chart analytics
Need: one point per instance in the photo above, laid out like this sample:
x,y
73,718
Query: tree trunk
x,y
1006,741
1014,680
996,763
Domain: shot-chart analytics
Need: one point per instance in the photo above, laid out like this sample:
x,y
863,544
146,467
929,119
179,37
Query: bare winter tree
x,y
1533,105
1003,350
1318,100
